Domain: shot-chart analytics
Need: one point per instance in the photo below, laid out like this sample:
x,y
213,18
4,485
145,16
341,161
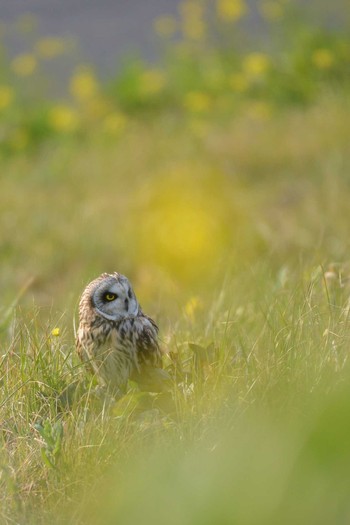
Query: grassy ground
x,y
219,183
236,239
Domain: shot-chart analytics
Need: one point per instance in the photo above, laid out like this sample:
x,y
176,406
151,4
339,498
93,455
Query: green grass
x,y
219,183
236,236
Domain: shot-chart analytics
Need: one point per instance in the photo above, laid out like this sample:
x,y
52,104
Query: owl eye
x,y
108,296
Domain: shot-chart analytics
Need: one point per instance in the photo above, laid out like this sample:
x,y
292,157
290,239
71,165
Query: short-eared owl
x,y
115,337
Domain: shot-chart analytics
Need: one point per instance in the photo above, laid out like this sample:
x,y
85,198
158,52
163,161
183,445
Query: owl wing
x,y
150,376
146,342
82,353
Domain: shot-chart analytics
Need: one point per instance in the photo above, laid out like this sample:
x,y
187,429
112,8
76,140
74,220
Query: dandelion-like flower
x,y
191,307
63,119
231,10
24,65
50,47
323,58
193,25
84,85
255,65
197,102
6,96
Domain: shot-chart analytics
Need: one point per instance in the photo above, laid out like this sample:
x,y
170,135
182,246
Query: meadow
x,y
219,183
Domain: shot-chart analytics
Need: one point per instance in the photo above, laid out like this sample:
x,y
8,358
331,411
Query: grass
x,y
227,205
255,428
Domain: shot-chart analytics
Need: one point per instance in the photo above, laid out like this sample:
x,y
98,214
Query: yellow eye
x,y
110,296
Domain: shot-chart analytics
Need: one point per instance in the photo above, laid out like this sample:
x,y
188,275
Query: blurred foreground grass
x,y
234,230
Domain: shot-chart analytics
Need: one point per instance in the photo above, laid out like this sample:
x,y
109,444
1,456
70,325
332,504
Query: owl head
x,y
111,296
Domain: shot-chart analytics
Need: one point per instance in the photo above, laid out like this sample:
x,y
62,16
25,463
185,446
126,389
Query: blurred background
x,y
174,141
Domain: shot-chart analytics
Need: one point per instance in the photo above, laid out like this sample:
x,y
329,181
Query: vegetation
x,y
222,191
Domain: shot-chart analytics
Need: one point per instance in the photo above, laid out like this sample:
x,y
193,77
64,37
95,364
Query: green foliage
x,y
231,218
208,71
52,435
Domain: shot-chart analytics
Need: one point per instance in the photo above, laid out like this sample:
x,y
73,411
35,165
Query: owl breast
x,y
118,350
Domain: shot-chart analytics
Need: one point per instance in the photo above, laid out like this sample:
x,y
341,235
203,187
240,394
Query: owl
x,y
115,338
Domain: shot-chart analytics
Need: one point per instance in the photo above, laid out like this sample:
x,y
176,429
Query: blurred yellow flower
x,y
323,58
55,332
152,82
115,123
197,102
231,10
192,17
50,47
165,25
19,139
184,231
256,64
184,222
24,65
191,307
63,119
6,96
83,84
238,82
271,10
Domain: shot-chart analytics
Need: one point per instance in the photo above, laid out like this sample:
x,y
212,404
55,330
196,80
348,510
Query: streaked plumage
x,y
116,339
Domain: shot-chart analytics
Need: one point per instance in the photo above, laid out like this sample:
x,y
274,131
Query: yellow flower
x,y
323,58
83,84
63,119
192,305
152,82
271,10
165,25
50,47
256,64
239,82
115,123
6,96
55,332
24,65
231,10
193,25
197,102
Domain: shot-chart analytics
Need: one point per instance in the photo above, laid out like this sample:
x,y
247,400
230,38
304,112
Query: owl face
x,y
113,297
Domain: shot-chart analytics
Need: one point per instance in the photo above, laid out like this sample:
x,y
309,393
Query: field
x,y
221,187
